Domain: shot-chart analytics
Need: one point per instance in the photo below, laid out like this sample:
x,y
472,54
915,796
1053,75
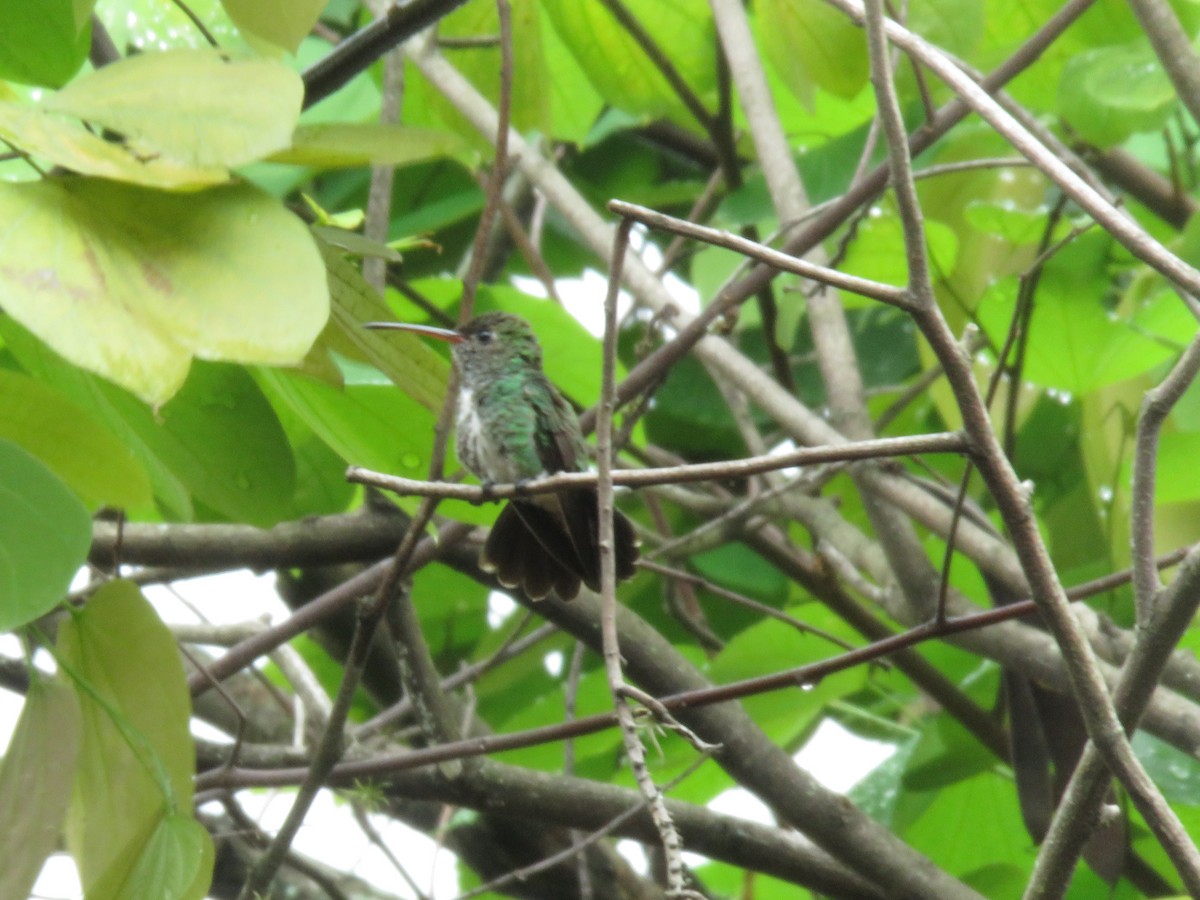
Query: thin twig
x,y
743,600
884,293
947,442
634,750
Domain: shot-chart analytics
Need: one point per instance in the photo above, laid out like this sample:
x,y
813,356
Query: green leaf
x,y
456,619
71,442
574,103
946,754
1176,773
1006,220
176,863
69,144
376,426
1175,480
193,106
355,244
321,486
738,568
877,252
1075,343
149,25
136,759
879,793
368,424
596,755
131,283
45,533
771,645
953,25
530,107
1109,93
41,43
810,43
690,416
345,144
1078,347
34,793
282,22
619,69
220,436
119,411
217,440
955,835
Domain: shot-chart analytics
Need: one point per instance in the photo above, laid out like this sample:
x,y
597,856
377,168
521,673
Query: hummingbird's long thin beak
x,y
448,335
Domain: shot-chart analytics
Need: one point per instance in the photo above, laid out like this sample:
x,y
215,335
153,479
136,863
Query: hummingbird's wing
x,y
562,449
557,438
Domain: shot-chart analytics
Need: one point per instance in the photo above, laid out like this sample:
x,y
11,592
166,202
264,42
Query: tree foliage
x,y
965,229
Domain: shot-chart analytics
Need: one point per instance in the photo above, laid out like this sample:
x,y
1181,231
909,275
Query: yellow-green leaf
x,y
33,790
136,757
66,143
193,106
71,442
131,283
355,244
282,22
351,144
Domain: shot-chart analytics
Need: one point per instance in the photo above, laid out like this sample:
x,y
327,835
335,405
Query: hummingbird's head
x,y
495,342
486,347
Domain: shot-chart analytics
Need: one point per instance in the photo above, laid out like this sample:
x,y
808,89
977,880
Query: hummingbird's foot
x,y
486,493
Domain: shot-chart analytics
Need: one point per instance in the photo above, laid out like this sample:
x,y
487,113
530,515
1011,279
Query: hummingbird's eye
x,y
484,337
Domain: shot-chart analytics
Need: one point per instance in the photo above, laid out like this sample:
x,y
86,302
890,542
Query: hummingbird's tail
x,y
552,544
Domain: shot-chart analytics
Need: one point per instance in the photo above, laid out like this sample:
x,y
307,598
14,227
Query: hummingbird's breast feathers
x,y
513,424
497,431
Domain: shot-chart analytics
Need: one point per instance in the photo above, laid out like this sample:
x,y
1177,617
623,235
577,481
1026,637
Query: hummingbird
x,y
512,425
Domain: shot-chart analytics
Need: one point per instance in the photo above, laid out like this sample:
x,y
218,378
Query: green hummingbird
x,y
512,425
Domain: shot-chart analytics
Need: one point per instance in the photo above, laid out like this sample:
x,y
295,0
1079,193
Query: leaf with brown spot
x,y
132,283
